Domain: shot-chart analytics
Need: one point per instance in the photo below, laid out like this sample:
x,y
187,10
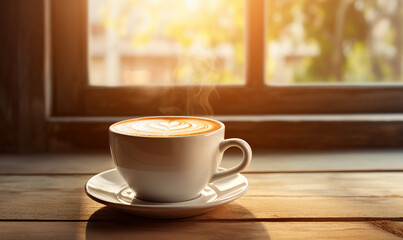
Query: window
x,y
180,42
336,42
75,94
277,74
185,42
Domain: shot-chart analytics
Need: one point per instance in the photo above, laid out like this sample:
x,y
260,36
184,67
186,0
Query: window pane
x,y
160,42
334,41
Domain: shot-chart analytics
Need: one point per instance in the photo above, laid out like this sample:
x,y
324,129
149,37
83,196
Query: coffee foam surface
x,y
166,126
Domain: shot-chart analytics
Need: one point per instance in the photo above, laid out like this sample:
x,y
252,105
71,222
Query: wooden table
x,y
348,195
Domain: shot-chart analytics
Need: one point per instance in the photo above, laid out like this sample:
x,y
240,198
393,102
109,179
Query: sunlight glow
x,y
175,42
192,4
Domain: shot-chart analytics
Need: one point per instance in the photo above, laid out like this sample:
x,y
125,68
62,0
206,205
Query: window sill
x,y
260,118
268,132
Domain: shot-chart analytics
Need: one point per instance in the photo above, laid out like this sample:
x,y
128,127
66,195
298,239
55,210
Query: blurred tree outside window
x,y
159,42
334,41
187,42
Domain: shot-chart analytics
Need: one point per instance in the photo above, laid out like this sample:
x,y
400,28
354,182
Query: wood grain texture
x,y
270,162
22,125
67,163
8,76
31,97
395,228
303,205
359,196
192,230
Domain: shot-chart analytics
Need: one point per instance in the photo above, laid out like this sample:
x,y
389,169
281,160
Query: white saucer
x,y
110,189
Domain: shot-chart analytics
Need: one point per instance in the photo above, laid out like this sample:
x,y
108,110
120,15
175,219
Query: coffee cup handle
x,y
247,156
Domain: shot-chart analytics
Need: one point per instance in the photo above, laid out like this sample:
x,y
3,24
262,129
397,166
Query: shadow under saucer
x,y
107,223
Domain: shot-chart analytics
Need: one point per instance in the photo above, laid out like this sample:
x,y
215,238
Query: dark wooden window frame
x,y
42,113
73,96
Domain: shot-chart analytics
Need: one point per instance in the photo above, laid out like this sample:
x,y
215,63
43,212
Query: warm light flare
x,y
178,42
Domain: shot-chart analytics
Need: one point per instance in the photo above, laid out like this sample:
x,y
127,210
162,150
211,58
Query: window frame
x,y
73,96
29,125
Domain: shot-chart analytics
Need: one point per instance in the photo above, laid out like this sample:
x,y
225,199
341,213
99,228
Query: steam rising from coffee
x,y
198,68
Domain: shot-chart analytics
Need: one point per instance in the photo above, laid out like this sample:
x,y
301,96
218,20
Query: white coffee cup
x,y
174,168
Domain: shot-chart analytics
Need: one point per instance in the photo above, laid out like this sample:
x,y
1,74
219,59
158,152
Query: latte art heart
x,y
166,126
